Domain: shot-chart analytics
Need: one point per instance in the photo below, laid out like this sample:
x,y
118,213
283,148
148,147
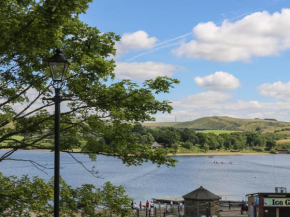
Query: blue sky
x,y
231,56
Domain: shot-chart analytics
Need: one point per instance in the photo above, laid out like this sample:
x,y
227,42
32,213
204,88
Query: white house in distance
x,y
156,145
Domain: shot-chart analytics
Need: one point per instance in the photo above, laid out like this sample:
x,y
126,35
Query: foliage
x,y
188,139
100,112
97,106
258,149
224,123
21,197
188,145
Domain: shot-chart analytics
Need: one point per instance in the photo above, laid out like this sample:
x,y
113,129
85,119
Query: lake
x,y
247,174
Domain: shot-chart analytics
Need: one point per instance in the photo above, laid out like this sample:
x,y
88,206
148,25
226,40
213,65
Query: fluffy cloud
x,y
135,41
143,70
212,103
209,99
258,34
277,90
218,81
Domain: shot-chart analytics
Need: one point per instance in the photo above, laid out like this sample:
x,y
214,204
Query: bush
x,y
188,145
273,151
258,149
175,147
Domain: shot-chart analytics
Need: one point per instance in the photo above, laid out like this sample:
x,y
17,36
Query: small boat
x,y
210,156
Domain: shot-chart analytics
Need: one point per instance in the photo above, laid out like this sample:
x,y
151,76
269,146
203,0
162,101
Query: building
x,y
269,204
156,145
201,202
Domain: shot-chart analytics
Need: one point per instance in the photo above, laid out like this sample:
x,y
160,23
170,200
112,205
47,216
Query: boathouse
x,y
156,145
201,202
269,204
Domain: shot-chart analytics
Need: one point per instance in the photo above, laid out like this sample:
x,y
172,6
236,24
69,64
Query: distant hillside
x,y
228,123
160,124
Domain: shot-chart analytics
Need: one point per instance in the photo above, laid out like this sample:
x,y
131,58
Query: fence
x,y
161,211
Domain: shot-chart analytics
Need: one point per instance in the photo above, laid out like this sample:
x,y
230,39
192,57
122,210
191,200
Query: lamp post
x,y
58,65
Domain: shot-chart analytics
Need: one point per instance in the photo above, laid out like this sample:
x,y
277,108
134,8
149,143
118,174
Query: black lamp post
x,y
58,65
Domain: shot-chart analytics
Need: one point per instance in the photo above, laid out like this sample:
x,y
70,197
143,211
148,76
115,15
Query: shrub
x,y
258,149
188,145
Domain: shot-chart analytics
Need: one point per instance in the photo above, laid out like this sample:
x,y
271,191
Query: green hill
x,y
235,124
159,124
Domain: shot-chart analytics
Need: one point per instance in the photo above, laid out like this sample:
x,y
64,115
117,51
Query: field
x,y
4,143
224,124
283,141
217,132
159,124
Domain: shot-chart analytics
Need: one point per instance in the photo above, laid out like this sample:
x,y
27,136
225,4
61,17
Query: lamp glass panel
x,y
57,70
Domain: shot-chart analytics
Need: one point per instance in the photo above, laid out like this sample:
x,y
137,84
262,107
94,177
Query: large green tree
x,y
98,107
21,197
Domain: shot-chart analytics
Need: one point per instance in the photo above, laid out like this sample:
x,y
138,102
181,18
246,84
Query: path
x,y
233,212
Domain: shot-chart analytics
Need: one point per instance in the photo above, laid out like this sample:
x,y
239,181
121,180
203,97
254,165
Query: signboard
x,y
277,202
256,200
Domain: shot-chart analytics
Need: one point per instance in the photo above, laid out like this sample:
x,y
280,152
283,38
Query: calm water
x,y
246,174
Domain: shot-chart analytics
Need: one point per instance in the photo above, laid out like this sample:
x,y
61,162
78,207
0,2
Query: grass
x,y
283,141
233,124
4,143
159,124
217,132
284,132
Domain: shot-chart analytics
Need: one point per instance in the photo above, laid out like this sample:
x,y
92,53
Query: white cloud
x,y
218,81
277,90
143,70
258,34
209,99
212,103
135,41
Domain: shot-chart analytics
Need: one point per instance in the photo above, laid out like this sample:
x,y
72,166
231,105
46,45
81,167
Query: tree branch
x,y
34,163
93,173
15,97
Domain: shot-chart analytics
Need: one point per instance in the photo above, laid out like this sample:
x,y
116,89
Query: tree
x,y
202,138
206,147
270,144
97,107
20,197
258,129
100,112
188,135
168,136
188,145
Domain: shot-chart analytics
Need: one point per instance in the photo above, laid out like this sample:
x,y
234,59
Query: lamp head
x,y
58,65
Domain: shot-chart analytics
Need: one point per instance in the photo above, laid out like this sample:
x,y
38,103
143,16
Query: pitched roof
x,y
156,144
201,194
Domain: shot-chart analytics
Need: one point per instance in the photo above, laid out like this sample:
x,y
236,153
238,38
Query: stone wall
x,y
193,208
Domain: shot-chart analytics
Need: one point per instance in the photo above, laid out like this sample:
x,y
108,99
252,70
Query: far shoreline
x,y
220,154
177,154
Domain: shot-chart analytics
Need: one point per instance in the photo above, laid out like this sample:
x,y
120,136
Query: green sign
x,y
277,202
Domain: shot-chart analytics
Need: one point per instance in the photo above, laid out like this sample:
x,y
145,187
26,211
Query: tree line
x,y
190,139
